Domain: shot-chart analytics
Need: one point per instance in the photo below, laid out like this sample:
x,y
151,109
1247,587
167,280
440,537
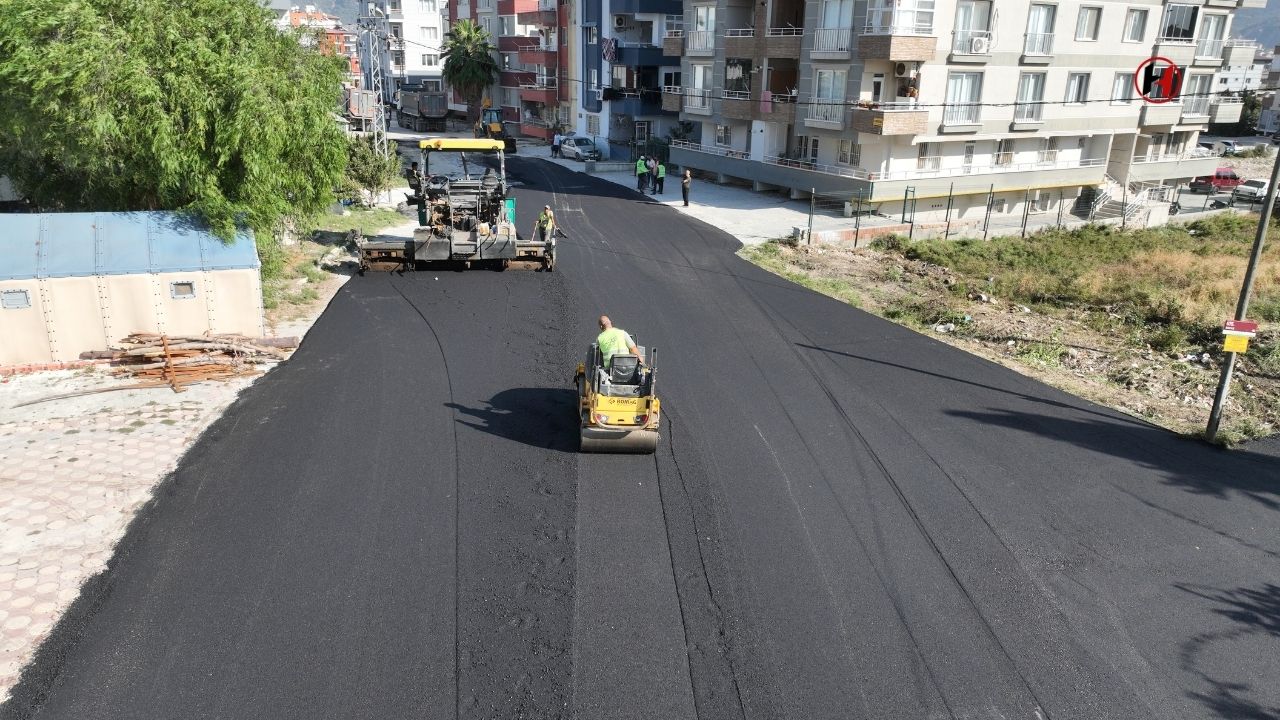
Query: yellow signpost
x,y
1235,343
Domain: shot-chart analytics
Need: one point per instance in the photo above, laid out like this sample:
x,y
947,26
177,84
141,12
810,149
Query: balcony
x,y
636,103
928,175
889,119
518,7
826,113
740,42
1027,116
832,43
1153,114
673,44
697,101
895,35
737,105
1144,168
778,107
700,43
1180,51
1037,49
783,42
515,78
1238,52
637,54
1209,52
646,7
1195,110
542,89
536,127
545,14
962,117
544,55
671,95
970,46
1226,110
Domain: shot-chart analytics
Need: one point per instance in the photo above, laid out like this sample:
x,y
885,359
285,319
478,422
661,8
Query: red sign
x,y
1158,76
1248,326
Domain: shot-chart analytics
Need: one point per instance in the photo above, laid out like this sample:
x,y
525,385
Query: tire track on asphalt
x,y
444,358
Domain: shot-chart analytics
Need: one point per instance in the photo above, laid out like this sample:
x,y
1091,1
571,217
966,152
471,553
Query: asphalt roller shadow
x,y
538,417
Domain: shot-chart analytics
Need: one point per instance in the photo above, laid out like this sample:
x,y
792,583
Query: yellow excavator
x,y
618,408
491,126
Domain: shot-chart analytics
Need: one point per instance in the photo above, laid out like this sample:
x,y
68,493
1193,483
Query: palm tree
x,y
469,64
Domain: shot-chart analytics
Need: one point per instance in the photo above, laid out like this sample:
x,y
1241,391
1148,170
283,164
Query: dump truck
x,y
491,126
422,110
361,108
464,214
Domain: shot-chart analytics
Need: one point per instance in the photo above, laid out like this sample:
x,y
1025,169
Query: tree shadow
x,y
539,417
1256,612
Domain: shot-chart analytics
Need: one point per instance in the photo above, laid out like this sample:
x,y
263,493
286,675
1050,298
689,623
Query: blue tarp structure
x,y
54,245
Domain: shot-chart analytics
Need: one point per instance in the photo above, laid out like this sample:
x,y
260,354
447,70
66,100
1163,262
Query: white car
x,y
1251,190
579,148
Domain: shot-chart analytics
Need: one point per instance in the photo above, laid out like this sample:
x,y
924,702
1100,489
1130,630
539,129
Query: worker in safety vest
x,y
545,229
642,173
614,341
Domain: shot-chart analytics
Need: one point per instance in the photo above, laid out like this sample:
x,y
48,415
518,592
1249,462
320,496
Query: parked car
x,y
580,148
1251,190
1222,180
1227,147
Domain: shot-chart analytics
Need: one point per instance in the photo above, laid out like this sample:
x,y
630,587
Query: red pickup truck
x,y
1222,180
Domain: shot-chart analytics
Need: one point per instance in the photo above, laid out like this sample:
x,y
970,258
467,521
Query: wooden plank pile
x,y
179,361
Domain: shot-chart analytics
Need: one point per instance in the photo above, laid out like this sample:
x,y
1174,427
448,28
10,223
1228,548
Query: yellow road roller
x,y
617,405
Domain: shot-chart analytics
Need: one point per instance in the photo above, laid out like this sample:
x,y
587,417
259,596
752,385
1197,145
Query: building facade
x,y
1249,76
903,102
416,29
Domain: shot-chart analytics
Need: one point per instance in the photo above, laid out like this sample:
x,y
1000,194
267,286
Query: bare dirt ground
x,y
1064,347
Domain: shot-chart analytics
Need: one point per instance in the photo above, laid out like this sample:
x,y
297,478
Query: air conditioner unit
x,y
902,70
599,94
619,21
979,45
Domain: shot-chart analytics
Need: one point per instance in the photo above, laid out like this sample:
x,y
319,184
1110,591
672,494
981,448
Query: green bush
x,y
1168,338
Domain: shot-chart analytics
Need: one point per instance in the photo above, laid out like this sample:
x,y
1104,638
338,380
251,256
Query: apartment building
x,y
1269,118
1239,78
416,29
538,71
902,102
622,67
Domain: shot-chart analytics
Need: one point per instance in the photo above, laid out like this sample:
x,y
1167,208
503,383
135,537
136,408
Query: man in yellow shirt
x,y
615,341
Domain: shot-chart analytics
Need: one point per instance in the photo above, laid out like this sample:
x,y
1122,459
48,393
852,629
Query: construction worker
x,y
414,176
545,229
642,173
661,179
614,341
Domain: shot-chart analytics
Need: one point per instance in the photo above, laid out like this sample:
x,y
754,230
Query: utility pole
x,y
374,44
1242,307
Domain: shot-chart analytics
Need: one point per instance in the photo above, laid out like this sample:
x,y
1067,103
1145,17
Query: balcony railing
x,y
740,32
1196,154
832,39
737,94
674,34
827,111
545,5
1174,40
700,40
697,98
887,18
926,167
541,82
971,42
898,106
1028,112
784,32
1038,44
1206,48
962,114
1002,159
1196,106
1046,157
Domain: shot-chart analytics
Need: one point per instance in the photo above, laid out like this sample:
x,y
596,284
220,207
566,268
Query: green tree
x,y
370,170
469,65
161,105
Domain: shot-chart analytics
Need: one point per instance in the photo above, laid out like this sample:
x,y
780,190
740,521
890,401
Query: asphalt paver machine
x,y
464,214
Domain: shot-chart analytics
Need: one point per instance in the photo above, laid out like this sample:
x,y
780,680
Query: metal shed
x,y
71,282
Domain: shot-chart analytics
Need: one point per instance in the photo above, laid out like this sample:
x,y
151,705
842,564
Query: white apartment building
x,y
417,29
1269,118
903,102
1249,76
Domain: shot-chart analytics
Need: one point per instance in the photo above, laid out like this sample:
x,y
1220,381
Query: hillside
x,y
1262,25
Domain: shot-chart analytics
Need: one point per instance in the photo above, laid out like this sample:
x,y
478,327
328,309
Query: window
x,y
1030,98
1135,26
487,24
397,58
671,78
593,35
1122,89
182,290
837,14
1048,150
973,27
1179,23
429,60
15,299
675,22
704,18
829,85
970,149
724,135
593,124
1077,88
1040,202
429,6
806,149
925,159
430,34
1040,29
850,153
1087,23
595,80
431,85
642,131
506,26
1004,152
964,92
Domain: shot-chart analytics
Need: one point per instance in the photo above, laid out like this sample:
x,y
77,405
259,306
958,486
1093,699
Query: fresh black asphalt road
x,y
844,519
